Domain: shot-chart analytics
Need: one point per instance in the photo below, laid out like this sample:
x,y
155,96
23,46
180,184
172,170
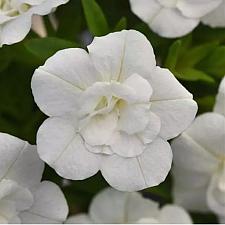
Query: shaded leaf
x,y
95,18
43,48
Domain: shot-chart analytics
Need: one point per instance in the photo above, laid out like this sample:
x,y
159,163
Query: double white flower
x,y
111,206
112,110
23,198
16,17
199,161
173,18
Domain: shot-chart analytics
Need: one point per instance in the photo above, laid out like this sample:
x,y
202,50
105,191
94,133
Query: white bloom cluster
x,y
23,197
112,206
112,110
199,161
16,17
175,18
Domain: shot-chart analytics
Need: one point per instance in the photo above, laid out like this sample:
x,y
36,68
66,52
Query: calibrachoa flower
x,y
216,18
199,161
172,18
112,206
23,199
16,17
112,110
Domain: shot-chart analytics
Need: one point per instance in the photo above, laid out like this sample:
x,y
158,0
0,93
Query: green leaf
x,y
196,54
191,74
95,18
121,25
43,48
172,56
215,63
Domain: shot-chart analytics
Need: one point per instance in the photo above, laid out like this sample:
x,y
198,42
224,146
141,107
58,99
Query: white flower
x,y
172,18
110,110
16,17
220,99
23,199
222,220
112,206
216,18
199,161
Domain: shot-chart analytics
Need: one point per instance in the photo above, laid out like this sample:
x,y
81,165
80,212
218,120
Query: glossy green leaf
x,y
215,63
191,74
172,56
43,48
95,18
121,25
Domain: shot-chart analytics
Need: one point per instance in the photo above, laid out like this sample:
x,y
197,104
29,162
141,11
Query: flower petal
x,y
57,85
63,149
171,102
162,19
172,214
191,199
189,179
147,170
197,9
21,197
186,152
120,54
215,18
208,130
152,130
126,145
166,87
141,86
15,30
175,115
216,193
220,99
99,129
134,118
80,218
49,205
126,207
19,161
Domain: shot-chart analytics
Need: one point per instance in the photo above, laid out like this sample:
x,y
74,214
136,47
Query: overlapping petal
x,y
139,172
121,54
215,18
68,154
49,205
19,161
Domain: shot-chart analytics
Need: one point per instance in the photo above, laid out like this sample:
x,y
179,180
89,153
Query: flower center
x,y
12,8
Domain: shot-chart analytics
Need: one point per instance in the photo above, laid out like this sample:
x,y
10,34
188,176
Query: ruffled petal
x,y
197,9
120,54
172,214
19,161
208,131
63,149
57,85
134,118
147,170
49,205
